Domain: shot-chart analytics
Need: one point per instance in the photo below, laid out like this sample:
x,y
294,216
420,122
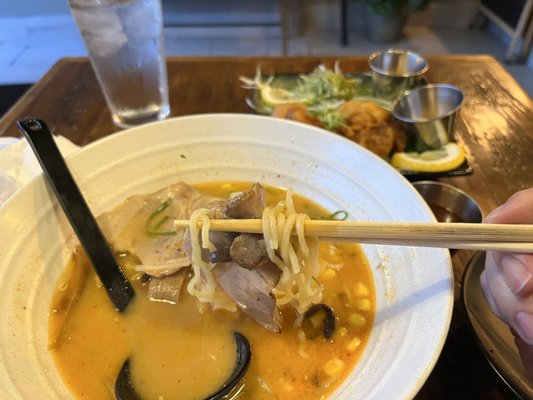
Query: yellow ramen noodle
x,y
187,350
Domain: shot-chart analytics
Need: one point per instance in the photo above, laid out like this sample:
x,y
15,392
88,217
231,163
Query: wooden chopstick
x,y
503,237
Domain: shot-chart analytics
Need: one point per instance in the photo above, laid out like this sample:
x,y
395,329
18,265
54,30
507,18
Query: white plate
x,y
414,285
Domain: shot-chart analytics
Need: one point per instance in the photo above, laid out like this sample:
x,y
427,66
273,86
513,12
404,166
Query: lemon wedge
x,y
273,96
448,157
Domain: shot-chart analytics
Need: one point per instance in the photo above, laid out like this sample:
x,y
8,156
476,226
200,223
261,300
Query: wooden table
x,y
495,128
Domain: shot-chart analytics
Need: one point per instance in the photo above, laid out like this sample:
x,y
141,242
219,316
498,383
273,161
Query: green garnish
x,y
152,226
320,88
339,215
324,84
331,119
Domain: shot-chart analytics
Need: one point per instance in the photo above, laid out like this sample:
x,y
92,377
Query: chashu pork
x,y
165,255
161,251
248,281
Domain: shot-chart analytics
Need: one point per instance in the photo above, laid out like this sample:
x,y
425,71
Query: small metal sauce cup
x,y
448,203
394,71
430,112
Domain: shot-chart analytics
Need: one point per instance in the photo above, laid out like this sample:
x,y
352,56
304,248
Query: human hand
x,y
507,280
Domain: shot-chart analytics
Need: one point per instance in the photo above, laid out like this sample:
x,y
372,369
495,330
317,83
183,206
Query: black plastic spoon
x,y
99,252
57,174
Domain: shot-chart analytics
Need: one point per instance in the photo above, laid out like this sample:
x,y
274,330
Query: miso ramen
x,y
182,346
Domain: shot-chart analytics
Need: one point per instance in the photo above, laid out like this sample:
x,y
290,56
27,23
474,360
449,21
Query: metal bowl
x,y
430,111
448,203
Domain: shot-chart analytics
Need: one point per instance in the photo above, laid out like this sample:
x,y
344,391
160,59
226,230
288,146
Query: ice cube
x,y
101,29
144,19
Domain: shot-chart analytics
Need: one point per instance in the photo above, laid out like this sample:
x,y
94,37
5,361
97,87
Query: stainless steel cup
x,y
430,111
448,203
394,71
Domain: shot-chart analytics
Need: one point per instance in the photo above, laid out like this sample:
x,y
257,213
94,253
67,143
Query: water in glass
x,y
125,42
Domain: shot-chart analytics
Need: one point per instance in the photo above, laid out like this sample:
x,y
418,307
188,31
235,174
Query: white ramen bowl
x,y
414,285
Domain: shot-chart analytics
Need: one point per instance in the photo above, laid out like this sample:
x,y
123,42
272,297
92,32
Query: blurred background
x,y
34,34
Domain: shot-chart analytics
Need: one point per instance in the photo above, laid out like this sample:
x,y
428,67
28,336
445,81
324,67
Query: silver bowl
x,y
430,111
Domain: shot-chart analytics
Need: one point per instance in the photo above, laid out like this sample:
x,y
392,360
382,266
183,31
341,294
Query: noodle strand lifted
x,y
202,284
298,257
295,255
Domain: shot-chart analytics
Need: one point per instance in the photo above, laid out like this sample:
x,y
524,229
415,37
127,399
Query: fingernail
x,y
493,214
488,296
515,272
525,326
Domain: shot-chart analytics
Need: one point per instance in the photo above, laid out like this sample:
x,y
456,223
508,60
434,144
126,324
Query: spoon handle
x,y
78,213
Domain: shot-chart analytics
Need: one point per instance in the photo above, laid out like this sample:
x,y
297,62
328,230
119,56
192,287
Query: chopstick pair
x,y
502,237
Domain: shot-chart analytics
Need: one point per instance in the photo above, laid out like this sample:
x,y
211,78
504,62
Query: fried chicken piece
x,y
296,112
371,126
400,137
364,113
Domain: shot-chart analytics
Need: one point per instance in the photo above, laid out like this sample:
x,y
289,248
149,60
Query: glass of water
x,y
124,39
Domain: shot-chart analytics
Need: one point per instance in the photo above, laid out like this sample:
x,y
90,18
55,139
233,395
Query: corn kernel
x,y
360,289
329,273
286,385
353,344
334,366
363,305
342,331
357,320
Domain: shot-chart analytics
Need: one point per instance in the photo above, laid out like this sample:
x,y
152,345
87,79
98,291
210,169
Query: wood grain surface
x,y
495,127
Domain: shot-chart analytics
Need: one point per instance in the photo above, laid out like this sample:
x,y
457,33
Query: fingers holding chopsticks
x,y
507,281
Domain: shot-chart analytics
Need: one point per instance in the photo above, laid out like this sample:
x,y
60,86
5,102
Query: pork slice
x,y
221,240
248,204
217,210
121,225
166,289
113,223
249,250
252,292
270,273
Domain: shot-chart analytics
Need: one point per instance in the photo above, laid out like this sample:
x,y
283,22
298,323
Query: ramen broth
x,y
188,349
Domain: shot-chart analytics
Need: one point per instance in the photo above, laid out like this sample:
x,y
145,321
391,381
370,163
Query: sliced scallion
x,y
153,224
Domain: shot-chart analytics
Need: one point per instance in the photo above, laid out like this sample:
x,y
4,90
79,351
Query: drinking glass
x,y
124,39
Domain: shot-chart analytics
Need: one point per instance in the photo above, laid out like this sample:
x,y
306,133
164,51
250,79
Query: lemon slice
x,y
448,157
275,96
